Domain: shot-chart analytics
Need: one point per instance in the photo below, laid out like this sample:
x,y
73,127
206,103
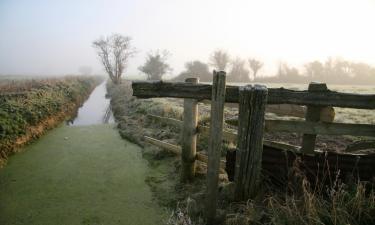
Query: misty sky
x,y
54,37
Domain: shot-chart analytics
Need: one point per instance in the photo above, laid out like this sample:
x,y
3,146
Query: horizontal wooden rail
x,y
227,135
150,89
308,127
360,145
279,109
165,145
166,120
175,149
291,127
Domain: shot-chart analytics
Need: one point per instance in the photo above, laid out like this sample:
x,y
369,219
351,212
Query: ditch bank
x,y
132,123
26,116
185,200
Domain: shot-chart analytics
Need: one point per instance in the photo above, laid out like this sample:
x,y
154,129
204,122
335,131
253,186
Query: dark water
x,y
96,110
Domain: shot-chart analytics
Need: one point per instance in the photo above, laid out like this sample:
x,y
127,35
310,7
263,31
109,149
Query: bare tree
x,y
219,59
255,66
155,66
239,73
114,52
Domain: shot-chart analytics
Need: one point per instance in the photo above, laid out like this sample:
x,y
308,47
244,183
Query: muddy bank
x,y
27,116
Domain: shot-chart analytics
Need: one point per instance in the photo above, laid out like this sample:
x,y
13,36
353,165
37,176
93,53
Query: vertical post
x,y
252,106
189,136
312,114
215,143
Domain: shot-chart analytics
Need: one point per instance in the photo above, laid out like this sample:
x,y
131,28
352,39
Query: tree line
x,y
333,70
114,52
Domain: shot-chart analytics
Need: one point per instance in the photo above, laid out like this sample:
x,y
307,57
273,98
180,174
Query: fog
x,y
44,37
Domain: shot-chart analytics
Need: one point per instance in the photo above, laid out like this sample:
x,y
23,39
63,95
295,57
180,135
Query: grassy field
x,y
343,115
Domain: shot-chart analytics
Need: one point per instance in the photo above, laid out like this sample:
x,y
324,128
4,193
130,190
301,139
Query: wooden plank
x,y
327,114
150,89
280,110
313,115
215,144
281,146
360,145
175,149
277,166
232,136
228,136
162,144
250,141
189,136
167,121
322,128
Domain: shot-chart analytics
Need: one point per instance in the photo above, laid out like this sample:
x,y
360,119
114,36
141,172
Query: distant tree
x,y
363,73
337,70
239,73
156,65
255,66
114,52
343,67
362,70
195,69
289,74
314,70
85,70
332,71
219,59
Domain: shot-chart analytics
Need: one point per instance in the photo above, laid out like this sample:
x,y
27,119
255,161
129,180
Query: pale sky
x,y
50,37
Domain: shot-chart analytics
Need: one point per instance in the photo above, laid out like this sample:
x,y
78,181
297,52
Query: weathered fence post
x,y
215,143
252,105
312,114
189,136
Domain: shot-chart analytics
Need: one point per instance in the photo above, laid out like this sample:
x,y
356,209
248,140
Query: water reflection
x,y
96,110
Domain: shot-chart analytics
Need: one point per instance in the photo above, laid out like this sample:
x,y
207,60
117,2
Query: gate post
x,y
189,136
252,105
215,144
312,114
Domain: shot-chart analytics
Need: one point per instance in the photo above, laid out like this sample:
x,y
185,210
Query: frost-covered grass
x,y
41,99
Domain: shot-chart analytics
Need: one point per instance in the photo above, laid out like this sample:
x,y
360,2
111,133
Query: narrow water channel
x,y
96,110
83,174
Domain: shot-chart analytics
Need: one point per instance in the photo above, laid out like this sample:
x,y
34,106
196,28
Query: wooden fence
x,y
253,154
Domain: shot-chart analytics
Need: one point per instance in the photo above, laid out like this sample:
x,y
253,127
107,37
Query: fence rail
x,y
152,89
229,136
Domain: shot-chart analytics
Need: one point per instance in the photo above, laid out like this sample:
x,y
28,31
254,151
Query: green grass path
x,y
78,175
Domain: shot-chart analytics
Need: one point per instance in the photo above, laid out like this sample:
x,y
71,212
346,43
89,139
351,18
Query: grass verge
x,y
28,108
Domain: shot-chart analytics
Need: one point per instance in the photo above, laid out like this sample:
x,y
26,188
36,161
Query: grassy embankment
x,y
29,107
298,203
